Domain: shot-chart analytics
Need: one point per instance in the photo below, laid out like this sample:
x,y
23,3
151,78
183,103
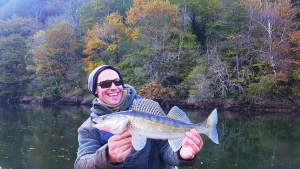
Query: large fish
x,y
148,120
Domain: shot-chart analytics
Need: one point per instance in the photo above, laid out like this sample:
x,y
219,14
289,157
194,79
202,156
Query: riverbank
x,y
266,105
269,105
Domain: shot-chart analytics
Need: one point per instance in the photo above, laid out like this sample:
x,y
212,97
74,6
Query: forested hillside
x,y
166,49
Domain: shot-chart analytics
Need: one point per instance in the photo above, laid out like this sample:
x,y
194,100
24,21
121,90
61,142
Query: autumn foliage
x,y
295,45
151,11
154,90
57,52
213,48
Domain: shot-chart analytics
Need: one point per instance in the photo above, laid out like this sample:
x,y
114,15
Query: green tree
x,y
13,76
230,49
264,88
162,38
199,8
95,11
16,25
13,50
200,85
198,11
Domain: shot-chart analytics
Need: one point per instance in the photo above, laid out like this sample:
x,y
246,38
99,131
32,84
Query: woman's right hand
x,y
119,147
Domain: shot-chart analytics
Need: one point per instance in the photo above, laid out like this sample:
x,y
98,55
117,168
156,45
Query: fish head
x,y
113,123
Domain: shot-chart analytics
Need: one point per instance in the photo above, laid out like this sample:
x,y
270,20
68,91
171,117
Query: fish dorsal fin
x,y
148,106
176,144
178,114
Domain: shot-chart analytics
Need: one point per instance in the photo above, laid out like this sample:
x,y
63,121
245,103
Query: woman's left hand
x,y
191,145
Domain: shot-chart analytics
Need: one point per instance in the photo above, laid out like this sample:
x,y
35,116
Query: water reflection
x,y
252,140
46,137
39,137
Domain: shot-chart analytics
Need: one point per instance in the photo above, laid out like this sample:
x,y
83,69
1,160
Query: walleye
x,y
148,120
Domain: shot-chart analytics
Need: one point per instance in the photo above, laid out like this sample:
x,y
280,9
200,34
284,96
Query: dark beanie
x,y
92,80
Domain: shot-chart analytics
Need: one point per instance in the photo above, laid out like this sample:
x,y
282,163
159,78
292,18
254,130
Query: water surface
x,y
252,140
46,137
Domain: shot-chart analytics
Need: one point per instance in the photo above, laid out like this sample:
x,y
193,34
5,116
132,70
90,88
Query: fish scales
x,y
145,122
159,127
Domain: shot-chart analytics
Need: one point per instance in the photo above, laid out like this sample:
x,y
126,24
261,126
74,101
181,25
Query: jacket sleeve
x,y
172,158
91,153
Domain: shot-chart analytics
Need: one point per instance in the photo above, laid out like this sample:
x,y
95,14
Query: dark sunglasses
x,y
108,83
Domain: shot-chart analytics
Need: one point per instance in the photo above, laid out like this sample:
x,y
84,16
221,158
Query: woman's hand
x,y
119,147
192,145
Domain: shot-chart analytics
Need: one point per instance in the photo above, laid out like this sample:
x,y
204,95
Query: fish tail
x,y
211,124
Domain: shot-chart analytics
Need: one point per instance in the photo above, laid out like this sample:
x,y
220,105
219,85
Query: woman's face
x,y
113,94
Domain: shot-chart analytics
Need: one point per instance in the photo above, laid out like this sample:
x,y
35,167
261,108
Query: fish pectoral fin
x,y
138,141
176,143
120,128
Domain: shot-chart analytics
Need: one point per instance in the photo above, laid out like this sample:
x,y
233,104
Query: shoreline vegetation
x,y
230,104
167,50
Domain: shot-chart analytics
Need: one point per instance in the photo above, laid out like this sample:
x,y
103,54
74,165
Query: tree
x,y
199,84
13,76
273,20
16,25
253,41
95,11
198,11
230,30
55,59
155,91
104,40
273,23
159,37
13,50
295,62
198,8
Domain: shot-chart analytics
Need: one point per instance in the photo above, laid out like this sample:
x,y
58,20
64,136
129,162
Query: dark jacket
x,y
92,151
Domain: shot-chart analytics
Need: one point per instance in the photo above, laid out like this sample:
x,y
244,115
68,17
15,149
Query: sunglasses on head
x,y
108,83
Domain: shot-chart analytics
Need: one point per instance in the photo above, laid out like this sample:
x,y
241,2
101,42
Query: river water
x,y
34,137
